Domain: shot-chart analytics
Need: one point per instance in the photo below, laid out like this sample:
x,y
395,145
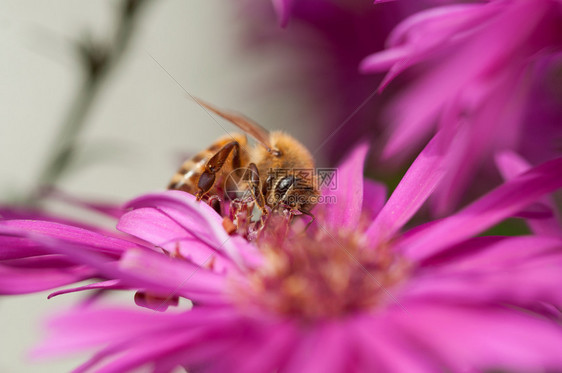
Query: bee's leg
x,y
312,218
207,178
254,184
215,203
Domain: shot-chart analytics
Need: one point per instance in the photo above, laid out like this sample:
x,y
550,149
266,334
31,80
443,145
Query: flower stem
x,y
98,60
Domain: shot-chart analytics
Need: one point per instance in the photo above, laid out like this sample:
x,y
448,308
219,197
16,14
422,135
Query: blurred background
x,y
139,125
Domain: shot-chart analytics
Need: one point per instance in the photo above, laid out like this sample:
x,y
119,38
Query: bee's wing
x,y
245,124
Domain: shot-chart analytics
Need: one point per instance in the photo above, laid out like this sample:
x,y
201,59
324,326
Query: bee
x,y
289,166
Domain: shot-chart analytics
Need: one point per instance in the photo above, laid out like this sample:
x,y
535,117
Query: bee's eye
x,y
284,185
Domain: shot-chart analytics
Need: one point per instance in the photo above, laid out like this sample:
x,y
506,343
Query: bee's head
x,y
291,191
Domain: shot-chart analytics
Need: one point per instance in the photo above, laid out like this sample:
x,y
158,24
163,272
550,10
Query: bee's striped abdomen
x,y
187,177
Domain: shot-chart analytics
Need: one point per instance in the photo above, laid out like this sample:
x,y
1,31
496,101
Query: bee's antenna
x,y
244,123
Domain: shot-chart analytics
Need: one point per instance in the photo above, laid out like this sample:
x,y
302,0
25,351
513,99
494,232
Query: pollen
x,y
321,275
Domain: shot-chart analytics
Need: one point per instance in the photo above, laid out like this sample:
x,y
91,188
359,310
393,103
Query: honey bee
x,y
276,154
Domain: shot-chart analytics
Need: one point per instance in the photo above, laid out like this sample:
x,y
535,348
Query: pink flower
x,y
320,50
478,66
354,292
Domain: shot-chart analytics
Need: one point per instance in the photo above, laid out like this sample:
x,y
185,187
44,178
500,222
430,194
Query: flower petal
x,y
349,193
414,111
380,347
374,197
496,337
499,101
34,259
161,229
15,280
93,240
517,270
416,186
276,340
497,205
22,213
283,9
83,328
321,350
174,276
196,218
131,272
104,285
137,337
415,38
511,165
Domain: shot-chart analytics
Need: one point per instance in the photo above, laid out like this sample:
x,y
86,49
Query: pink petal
x,y
421,34
175,275
105,285
134,338
415,111
511,165
322,350
493,265
374,197
130,273
81,328
162,230
283,9
416,186
29,265
439,23
467,338
381,349
499,101
48,261
143,351
17,213
93,240
349,194
196,218
15,280
276,341
384,60
394,71
526,285
14,247
497,205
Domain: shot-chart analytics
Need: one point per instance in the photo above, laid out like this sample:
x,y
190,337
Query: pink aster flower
x,y
479,66
354,292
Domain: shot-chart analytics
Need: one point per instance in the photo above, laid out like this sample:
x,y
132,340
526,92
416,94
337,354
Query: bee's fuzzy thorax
x,y
293,154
